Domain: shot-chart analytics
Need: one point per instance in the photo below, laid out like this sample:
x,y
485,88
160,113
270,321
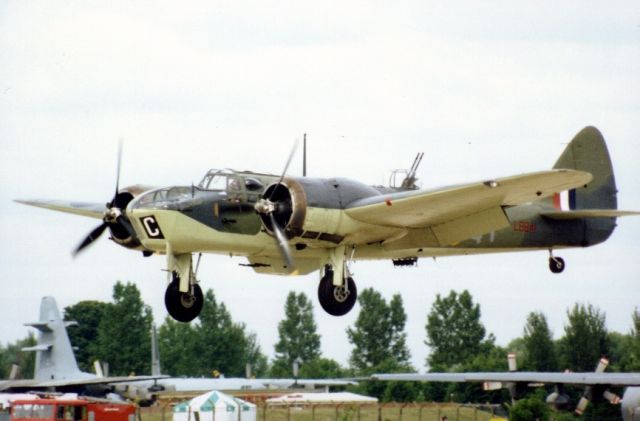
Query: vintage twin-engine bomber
x,y
296,225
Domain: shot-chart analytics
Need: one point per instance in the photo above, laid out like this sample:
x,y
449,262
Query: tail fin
x,y
588,152
54,355
595,203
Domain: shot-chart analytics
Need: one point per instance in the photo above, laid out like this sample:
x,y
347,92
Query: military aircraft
x,y
56,366
296,225
596,385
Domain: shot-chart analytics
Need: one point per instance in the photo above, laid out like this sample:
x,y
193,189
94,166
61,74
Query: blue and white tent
x,y
214,406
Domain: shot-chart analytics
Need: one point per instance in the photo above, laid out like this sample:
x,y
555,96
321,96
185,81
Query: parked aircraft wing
x,y
26,385
460,212
589,378
92,210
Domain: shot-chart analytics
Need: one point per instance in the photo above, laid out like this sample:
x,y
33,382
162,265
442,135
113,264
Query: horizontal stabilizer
x,y
588,213
41,326
37,348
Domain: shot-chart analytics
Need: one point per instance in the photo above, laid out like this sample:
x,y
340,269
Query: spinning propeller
x,y
274,206
113,217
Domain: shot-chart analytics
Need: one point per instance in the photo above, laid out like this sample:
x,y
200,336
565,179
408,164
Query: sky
x,y
484,89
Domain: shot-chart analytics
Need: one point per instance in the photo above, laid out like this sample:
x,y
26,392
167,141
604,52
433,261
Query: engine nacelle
x,y
291,207
311,208
122,233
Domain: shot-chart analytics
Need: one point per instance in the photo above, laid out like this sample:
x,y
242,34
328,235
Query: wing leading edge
x,y
91,210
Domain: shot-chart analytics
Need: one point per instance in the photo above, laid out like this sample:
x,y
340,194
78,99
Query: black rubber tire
x,y
183,306
556,264
328,296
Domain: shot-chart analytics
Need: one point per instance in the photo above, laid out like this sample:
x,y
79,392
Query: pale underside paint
x,y
186,235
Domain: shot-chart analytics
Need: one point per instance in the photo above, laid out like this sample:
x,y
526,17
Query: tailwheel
x,y
556,264
183,306
337,300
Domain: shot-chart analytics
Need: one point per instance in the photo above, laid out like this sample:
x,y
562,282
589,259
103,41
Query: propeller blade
x,y
118,170
286,167
283,244
93,235
582,405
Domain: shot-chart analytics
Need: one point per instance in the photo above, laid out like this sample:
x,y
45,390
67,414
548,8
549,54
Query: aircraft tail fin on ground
x,y
588,152
54,355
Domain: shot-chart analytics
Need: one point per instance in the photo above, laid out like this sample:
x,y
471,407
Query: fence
x,y
351,412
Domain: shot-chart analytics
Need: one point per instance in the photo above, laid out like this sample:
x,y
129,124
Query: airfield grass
x,y
390,412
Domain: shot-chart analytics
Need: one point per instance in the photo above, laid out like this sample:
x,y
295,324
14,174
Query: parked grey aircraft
x,y
193,384
56,368
596,385
297,225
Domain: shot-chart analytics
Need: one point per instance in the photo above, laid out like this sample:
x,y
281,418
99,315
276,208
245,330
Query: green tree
x,y
124,338
454,331
322,368
633,363
213,343
529,409
624,354
255,357
12,354
176,343
84,334
221,345
539,346
298,337
585,340
378,335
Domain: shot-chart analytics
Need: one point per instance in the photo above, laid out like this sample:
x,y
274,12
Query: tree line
x,y
118,332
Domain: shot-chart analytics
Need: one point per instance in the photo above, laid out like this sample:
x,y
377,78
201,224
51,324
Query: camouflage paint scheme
x,y
322,224
225,221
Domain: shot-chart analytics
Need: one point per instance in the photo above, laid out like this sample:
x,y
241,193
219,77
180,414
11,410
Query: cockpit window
x,y
164,198
217,182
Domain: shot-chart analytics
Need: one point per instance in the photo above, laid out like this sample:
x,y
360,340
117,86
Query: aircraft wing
x,y
21,385
92,210
590,378
460,212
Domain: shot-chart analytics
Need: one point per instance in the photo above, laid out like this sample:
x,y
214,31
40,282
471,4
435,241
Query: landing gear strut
x,y
336,300
556,264
183,306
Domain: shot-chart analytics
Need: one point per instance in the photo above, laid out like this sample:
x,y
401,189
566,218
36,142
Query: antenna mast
x,y
304,155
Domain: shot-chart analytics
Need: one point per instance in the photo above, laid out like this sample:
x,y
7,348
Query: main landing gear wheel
x,y
556,264
336,300
183,306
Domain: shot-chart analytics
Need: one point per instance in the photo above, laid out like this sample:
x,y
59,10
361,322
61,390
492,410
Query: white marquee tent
x,y
320,398
214,406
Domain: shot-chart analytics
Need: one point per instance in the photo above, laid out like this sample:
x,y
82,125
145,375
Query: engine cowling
x,y
122,233
287,201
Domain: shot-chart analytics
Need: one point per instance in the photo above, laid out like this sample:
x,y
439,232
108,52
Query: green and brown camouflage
x,y
297,225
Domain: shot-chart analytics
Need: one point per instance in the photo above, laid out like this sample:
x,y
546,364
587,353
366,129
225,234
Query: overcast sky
x,y
485,89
